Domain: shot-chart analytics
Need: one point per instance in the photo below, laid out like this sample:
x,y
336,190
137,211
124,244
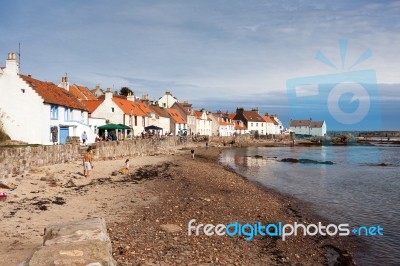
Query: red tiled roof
x,y
232,115
252,116
182,107
275,121
144,107
305,123
128,107
316,123
176,116
223,123
238,126
82,93
160,111
92,105
198,114
300,123
52,94
268,119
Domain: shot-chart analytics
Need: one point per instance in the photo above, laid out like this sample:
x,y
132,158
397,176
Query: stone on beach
x,y
170,228
78,243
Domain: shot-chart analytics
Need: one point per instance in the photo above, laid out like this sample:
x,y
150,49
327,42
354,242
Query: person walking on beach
x,y
84,138
192,151
207,145
87,162
127,166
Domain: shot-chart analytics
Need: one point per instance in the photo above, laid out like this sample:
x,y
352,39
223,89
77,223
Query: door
x,y
64,133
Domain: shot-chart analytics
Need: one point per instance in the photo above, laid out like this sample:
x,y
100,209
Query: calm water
x,y
353,190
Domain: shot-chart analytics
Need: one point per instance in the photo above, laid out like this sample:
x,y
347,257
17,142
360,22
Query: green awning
x,y
113,126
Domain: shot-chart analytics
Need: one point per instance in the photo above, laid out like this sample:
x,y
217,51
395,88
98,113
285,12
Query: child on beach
x,y
87,162
192,151
126,169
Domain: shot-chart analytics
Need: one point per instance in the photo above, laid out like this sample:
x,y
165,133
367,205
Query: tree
x,y
125,91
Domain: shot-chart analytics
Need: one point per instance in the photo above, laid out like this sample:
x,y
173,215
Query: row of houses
x,y
41,112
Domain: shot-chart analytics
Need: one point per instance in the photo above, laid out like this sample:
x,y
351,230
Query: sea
x,y
356,184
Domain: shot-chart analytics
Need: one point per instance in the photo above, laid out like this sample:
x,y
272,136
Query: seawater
x,y
356,189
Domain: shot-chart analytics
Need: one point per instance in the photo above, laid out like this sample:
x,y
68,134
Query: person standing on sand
x,y
127,166
84,138
192,151
87,162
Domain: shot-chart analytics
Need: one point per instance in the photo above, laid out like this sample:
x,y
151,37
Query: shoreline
x,y
221,196
170,190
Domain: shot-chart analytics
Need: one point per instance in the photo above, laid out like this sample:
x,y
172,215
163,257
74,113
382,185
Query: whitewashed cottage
x,y
39,112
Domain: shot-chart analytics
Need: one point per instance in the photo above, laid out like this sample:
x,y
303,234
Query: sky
x,y
219,54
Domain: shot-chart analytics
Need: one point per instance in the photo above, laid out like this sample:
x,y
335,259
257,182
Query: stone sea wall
x,y
17,160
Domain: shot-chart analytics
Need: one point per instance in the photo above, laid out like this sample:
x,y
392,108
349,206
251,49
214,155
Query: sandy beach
x,y
160,191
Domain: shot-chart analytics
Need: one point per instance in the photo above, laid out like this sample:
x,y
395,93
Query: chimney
x,y
12,66
239,110
131,97
108,94
64,83
256,110
168,93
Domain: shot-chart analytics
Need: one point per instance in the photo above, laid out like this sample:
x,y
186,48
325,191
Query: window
x,y
112,109
68,114
251,124
135,120
256,124
54,112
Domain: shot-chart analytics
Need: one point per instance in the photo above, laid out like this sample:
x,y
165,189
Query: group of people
x,y
88,163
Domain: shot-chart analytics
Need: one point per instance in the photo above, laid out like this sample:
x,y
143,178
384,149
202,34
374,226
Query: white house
x,y
124,110
163,118
39,112
221,124
278,124
178,123
239,127
185,109
308,127
203,123
252,120
167,100
270,127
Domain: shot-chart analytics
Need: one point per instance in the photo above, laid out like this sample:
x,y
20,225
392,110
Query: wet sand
x,y
170,190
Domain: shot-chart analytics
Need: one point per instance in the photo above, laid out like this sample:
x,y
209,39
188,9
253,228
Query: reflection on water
x,y
353,190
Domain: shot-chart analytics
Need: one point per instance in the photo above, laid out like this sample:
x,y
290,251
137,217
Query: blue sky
x,y
216,54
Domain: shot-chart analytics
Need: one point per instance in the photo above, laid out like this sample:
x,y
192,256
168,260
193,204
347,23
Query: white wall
x,y
27,118
256,126
164,123
22,113
301,130
105,110
270,128
166,101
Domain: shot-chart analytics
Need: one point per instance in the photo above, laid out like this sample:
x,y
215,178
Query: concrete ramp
x,y
83,242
